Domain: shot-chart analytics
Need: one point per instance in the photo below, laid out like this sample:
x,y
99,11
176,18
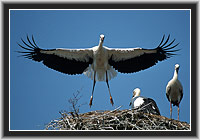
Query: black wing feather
x,y
149,106
146,60
64,65
152,106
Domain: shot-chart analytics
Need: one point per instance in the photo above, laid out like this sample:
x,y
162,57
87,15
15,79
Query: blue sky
x,y
38,93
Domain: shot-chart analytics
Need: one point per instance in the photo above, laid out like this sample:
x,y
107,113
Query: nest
x,y
115,120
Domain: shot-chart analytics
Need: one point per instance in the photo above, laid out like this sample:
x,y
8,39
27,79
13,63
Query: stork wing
x,y
168,90
180,90
152,106
136,59
68,61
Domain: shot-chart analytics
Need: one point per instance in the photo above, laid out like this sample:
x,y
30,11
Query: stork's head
x,y
136,92
177,66
102,38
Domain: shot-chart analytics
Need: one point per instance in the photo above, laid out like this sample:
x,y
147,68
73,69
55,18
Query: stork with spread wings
x,y
98,63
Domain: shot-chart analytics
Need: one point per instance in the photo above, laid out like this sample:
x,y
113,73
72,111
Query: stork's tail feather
x,y
89,72
33,51
111,73
100,74
163,48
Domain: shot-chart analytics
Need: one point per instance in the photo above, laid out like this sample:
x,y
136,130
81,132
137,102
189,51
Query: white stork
x,y
142,104
174,91
98,63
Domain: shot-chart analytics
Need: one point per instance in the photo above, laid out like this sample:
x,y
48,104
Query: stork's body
x,y
101,67
98,63
174,91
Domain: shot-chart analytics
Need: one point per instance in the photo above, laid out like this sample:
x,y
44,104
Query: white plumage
x,y
143,104
98,63
174,90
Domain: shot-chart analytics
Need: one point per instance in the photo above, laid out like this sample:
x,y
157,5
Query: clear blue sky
x,y
38,93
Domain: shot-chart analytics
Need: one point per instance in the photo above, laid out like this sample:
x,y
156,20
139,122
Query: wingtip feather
x,y
166,48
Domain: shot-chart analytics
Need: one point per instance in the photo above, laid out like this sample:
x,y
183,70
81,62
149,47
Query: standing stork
x,y
143,104
174,91
98,63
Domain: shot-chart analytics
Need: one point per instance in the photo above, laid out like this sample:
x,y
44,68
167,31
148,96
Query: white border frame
x,y
99,10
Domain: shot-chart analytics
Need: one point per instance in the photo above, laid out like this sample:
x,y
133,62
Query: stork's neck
x,y
175,74
100,44
136,94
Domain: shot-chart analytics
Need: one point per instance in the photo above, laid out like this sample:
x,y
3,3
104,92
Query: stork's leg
x,y
111,100
93,89
170,110
178,111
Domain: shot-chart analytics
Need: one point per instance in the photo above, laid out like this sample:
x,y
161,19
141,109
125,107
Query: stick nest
x,y
115,120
